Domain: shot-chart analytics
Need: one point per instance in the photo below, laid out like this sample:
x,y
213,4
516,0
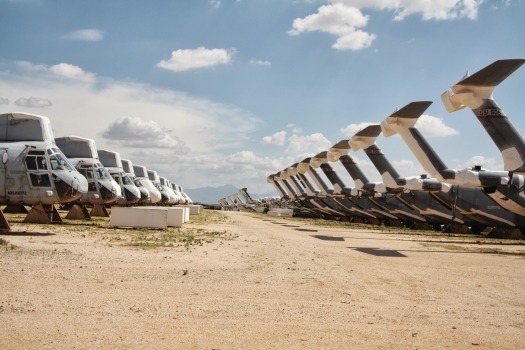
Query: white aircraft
x,y
102,189
155,179
166,185
112,162
141,172
33,171
127,165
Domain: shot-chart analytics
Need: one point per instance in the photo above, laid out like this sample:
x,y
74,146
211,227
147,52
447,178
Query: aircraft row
x,y
40,171
235,202
459,200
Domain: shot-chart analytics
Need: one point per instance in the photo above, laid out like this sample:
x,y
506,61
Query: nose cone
x,y
155,196
144,195
132,194
109,191
70,185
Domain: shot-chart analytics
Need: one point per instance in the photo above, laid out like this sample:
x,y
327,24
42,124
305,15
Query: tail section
x,y
321,160
403,122
304,167
339,149
475,92
355,172
278,187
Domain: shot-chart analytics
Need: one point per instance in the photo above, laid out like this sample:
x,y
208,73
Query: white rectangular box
x,y
138,217
194,209
176,216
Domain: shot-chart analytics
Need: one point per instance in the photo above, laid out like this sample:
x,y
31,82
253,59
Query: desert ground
x,y
237,280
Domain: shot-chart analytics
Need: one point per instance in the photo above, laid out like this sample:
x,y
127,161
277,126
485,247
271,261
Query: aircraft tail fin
x,y
365,137
408,116
475,92
471,90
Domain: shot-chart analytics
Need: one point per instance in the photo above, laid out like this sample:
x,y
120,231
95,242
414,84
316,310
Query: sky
x,y
217,92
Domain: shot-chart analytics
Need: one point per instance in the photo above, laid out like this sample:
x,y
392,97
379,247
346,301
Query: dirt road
x,y
270,283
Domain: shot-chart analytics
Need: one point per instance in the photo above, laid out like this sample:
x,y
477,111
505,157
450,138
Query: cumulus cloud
x,y
72,72
487,163
4,101
85,35
63,70
339,20
434,127
276,139
201,57
351,129
437,9
307,145
345,19
136,133
33,102
260,62
294,129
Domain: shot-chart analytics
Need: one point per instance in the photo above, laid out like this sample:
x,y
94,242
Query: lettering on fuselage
x,y
493,207
17,193
491,112
17,172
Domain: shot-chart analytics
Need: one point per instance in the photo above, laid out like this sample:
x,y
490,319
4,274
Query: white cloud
x,y
134,132
345,19
487,163
351,129
63,70
435,9
201,57
4,101
339,20
72,72
434,127
85,35
294,129
276,139
215,3
260,62
307,145
33,102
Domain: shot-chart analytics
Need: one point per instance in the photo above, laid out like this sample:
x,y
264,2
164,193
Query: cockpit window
x,y
36,162
102,173
125,179
58,161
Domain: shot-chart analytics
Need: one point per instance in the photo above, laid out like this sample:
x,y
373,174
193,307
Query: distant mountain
x,y
211,195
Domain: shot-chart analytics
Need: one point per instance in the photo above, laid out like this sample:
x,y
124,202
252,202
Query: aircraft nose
x,y
132,194
70,186
108,192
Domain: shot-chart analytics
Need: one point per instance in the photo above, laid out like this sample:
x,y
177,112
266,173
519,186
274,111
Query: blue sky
x,y
210,93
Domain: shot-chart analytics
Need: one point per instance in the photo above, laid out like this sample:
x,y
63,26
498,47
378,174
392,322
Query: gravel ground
x,y
259,283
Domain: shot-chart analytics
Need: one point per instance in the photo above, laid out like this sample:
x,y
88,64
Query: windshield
x,y
59,162
102,173
125,179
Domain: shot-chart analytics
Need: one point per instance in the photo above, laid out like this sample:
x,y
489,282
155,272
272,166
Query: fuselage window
x,y
40,180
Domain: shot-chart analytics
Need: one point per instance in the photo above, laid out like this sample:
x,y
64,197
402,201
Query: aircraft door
x,y
3,161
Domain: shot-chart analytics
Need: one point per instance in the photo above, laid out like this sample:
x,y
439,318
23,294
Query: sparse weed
x,y
3,241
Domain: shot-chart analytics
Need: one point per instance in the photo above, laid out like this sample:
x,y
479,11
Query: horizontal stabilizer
x,y
413,110
319,159
343,144
370,131
493,74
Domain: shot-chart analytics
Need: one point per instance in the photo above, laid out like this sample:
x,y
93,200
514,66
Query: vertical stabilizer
x,y
475,92
366,140
403,122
